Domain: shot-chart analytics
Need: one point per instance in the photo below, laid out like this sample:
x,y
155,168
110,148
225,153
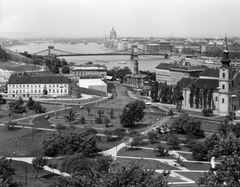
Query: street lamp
x,y
148,106
218,88
55,97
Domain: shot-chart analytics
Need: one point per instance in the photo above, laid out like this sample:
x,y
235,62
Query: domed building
x,y
113,34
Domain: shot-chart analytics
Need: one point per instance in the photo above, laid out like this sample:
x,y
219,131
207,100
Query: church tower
x,y
225,76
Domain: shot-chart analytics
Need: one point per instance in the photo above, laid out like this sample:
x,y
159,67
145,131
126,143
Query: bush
x,y
172,140
60,127
207,112
136,143
10,125
161,151
120,132
98,120
236,129
91,130
109,134
200,152
152,136
82,120
191,143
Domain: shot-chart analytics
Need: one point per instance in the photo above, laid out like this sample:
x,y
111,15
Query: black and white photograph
x,y
119,93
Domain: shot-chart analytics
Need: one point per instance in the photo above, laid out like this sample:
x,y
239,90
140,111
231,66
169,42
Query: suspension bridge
x,y
133,52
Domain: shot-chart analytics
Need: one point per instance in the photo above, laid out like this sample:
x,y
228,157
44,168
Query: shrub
x,y
60,127
161,151
109,134
152,136
82,120
120,132
236,129
200,152
172,140
10,125
211,140
99,120
207,112
91,130
136,143
191,143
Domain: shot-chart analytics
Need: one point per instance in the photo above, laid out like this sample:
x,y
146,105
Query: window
x,y
223,86
53,91
222,100
216,99
223,75
39,85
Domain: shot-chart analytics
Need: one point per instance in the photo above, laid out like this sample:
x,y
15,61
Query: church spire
x,y
225,60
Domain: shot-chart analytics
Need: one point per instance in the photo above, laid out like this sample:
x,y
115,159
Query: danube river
x,y
145,62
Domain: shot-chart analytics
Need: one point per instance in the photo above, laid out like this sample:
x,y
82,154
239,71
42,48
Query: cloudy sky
x,y
161,18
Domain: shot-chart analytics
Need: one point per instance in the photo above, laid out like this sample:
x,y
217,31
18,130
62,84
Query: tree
x,y
111,114
154,92
106,121
100,113
38,107
211,140
236,129
172,140
226,173
30,103
200,152
227,146
6,173
38,163
82,120
17,106
71,116
191,95
152,136
197,94
88,110
132,112
65,69
2,101
103,172
68,142
161,151
210,97
224,128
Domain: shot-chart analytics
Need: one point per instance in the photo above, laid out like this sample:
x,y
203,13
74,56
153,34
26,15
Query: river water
x,y
145,62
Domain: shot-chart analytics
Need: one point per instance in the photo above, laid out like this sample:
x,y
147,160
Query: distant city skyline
x,y
136,18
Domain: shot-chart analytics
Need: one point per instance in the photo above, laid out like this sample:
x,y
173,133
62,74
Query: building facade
x,y
89,71
172,73
36,86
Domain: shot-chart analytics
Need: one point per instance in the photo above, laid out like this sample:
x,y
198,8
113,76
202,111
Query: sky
x,y
136,18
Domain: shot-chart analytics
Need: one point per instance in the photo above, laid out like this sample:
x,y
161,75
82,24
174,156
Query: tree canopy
x,y
132,112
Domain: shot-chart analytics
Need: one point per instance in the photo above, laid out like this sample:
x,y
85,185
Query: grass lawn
x,y
44,178
195,166
25,67
153,164
210,127
141,153
19,142
191,175
187,156
104,145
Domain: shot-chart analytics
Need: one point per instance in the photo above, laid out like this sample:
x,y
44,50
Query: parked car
x,y
81,106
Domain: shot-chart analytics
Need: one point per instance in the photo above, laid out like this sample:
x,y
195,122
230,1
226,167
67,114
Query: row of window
x,y
86,72
38,91
35,85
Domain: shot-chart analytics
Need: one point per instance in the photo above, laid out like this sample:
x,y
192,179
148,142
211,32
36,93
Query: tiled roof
x,y
210,73
163,66
185,82
38,80
201,83
175,67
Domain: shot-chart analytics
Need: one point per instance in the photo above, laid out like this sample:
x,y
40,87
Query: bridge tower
x,y
134,54
49,49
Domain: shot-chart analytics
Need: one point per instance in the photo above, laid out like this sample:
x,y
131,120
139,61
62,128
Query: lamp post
x,y
148,106
218,88
55,97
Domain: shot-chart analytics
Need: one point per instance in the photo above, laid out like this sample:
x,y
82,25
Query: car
x,y
47,117
81,106
53,125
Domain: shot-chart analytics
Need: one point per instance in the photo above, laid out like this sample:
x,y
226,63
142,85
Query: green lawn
x,y
141,153
20,142
153,164
44,178
191,175
195,166
188,156
104,145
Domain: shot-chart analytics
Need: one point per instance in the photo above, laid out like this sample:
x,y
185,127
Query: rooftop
x,y
210,73
209,83
38,80
185,82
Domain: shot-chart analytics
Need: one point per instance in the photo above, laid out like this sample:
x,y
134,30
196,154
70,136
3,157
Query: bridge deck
x,y
107,54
